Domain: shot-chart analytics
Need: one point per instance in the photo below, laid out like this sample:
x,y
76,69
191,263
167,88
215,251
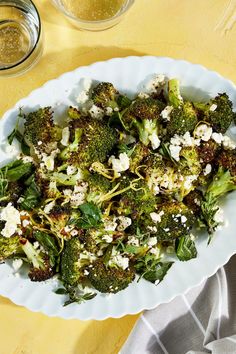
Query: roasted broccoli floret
x,y
193,201
104,95
218,112
208,151
71,269
40,266
227,160
98,186
176,219
109,279
137,200
143,117
224,181
189,161
139,154
183,117
9,247
58,217
91,141
40,128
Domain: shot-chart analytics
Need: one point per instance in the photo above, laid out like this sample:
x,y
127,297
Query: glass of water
x,y
20,36
94,15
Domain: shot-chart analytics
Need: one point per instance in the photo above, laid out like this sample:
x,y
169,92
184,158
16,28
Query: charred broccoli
x,y
109,279
9,247
105,95
183,117
40,130
71,269
91,141
143,117
218,112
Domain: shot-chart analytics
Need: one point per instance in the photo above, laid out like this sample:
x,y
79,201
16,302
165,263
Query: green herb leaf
x,y
123,102
158,272
31,197
61,291
16,170
186,248
49,243
91,216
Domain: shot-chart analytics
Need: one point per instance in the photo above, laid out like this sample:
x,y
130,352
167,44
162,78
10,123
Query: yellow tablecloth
x,y
201,31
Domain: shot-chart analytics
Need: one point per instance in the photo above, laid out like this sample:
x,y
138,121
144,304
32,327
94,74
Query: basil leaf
x,y
17,169
186,248
31,197
158,272
91,216
61,291
47,241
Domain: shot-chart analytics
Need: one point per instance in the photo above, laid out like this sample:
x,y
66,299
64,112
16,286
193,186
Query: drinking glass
x,y
20,36
94,15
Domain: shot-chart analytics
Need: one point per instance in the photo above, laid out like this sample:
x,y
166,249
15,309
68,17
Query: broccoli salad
x,y
116,191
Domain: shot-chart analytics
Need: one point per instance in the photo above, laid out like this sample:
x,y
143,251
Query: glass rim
x,y
124,8
33,48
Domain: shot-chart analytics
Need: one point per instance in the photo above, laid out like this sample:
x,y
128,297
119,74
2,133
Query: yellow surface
x,y
201,31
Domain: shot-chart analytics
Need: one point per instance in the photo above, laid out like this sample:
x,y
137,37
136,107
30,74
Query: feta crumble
x,y
203,132
207,169
217,137
107,238
155,141
213,107
123,222
71,170
152,241
175,151
49,207
121,164
156,217
155,83
12,217
96,112
17,264
165,114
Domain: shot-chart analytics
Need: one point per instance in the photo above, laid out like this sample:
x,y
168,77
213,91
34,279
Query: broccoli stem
x,y
175,98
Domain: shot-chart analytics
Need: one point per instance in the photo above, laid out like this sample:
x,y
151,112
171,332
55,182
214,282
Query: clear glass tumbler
x,y
94,15
20,36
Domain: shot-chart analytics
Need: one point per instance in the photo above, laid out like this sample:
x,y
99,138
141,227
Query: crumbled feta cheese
x,y
124,222
174,151
228,143
156,189
82,97
155,141
88,256
207,169
12,217
100,253
78,196
96,112
107,238
108,111
27,159
49,207
68,228
17,264
165,114
188,180
65,136
152,229
122,262
110,225
152,241
132,240
36,245
203,132
155,251
156,217
25,222
71,170
67,192
213,107
183,219
143,95
155,83
74,232
217,137
121,164
86,272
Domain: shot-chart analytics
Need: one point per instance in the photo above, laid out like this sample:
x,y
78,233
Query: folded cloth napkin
x,y
202,321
